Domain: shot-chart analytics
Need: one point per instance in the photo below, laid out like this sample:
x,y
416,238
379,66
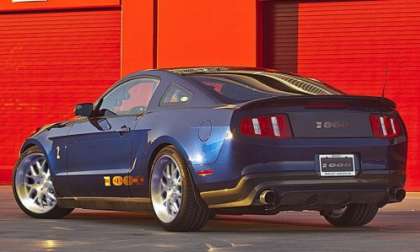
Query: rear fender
x,y
143,168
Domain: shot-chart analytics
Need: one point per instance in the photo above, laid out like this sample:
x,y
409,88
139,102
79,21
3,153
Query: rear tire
x,y
33,188
353,215
212,215
185,211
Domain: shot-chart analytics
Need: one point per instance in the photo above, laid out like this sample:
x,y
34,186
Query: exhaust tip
x,y
397,195
268,197
400,194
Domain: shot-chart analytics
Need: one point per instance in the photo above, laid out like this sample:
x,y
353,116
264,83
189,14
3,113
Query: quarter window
x,y
176,95
129,98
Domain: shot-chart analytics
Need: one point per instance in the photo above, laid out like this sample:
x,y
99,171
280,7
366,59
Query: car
x,y
190,143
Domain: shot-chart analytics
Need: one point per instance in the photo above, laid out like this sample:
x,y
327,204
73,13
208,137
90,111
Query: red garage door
x,y
50,61
358,46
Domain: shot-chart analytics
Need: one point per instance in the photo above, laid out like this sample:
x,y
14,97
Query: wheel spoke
x,y
43,163
41,199
44,201
50,198
168,206
167,172
174,171
51,190
164,181
164,185
164,191
33,192
28,187
178,201
48,184
165,202
177,193
37,200
170,170
173,177
47,174
39,167
30,175
29,181
33,172
174,208
178,180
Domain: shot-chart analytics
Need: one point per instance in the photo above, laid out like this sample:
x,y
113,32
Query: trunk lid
x,y
330,124
322,116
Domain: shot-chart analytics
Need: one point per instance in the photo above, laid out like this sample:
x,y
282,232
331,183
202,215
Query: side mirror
x,y
84,109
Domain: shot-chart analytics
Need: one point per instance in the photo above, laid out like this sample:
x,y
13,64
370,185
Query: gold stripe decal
x,y
123,181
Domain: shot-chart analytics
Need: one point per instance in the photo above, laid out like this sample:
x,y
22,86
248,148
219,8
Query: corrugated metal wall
x,y
49,61
206,32
358,46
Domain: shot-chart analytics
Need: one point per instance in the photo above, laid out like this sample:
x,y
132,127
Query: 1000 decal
x,y
123,180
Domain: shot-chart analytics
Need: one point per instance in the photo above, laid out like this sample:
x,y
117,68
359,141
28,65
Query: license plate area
x,y
337,165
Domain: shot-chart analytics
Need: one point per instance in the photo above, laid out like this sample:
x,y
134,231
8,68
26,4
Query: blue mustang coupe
x,y
194,142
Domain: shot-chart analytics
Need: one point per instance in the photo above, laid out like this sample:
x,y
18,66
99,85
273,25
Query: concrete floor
x,y
396,228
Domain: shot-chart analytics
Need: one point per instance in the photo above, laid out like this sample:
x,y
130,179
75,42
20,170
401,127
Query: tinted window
x,y
131,97
241,86
176,95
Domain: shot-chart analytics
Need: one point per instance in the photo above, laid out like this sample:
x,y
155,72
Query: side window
x,y
175,95
129,98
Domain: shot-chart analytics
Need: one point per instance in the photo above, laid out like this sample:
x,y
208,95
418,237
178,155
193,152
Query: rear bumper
x,y
246,167
300,191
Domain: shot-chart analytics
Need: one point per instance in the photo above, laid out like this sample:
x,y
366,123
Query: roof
x,y
301,84
212,69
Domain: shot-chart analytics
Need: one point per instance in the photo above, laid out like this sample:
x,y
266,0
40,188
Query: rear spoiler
x,y
348,101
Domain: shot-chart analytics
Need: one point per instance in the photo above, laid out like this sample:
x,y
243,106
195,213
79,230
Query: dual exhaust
x,y
269,197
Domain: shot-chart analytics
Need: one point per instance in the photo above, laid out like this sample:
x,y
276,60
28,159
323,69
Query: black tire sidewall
x,y
355,215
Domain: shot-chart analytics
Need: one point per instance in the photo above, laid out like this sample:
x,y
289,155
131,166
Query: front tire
x,y
174,199
353,215
33,188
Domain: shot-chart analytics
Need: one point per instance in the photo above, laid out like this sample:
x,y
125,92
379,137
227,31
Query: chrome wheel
x,y
33,184
166,188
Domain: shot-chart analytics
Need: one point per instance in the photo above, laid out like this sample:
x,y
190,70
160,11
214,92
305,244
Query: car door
x,y
101,147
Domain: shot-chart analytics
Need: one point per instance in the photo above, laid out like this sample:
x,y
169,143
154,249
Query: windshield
x,y
241,86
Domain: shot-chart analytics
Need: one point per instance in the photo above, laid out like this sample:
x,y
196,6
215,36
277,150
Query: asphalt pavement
x,y
396,229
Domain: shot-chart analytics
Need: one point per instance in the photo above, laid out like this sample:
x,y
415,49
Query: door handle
x,y
124,129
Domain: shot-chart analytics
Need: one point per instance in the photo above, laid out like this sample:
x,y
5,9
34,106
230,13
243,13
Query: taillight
x,y
276,126
384,126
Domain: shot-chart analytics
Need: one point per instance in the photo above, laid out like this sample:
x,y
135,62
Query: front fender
x,y
45,145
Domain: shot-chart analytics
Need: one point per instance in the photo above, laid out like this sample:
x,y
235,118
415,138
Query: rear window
x,y
242,86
